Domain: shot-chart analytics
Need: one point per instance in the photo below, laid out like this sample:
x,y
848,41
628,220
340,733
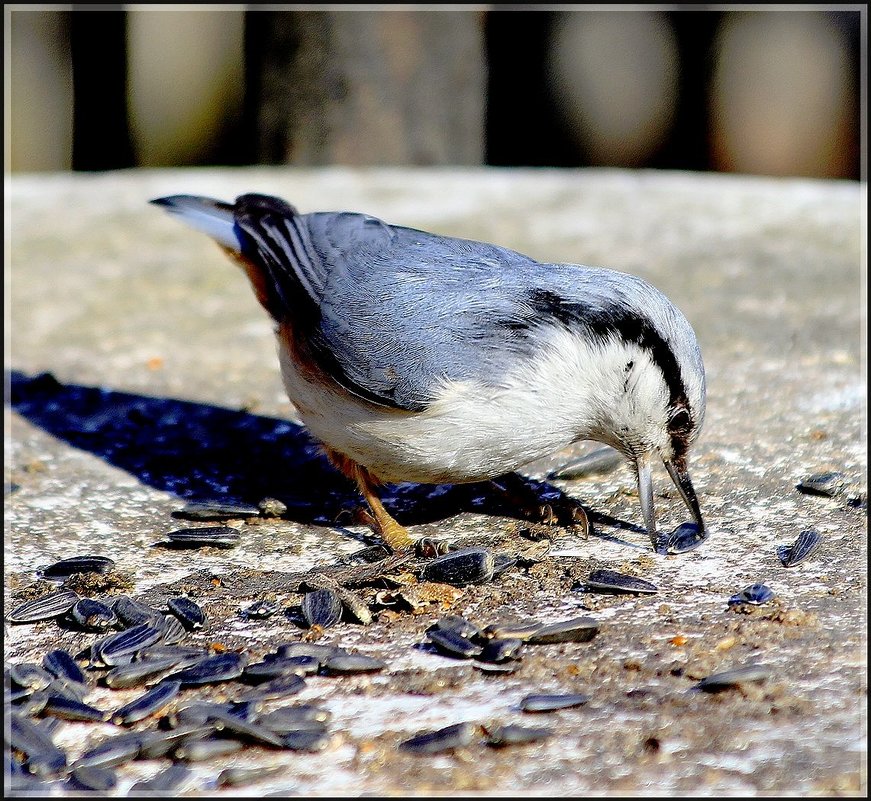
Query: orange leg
x,y
395,535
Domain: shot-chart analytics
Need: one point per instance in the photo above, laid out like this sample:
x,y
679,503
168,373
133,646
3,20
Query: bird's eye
x,y
679,421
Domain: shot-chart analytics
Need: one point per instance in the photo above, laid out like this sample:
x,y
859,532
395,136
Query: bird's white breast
x,y
471,431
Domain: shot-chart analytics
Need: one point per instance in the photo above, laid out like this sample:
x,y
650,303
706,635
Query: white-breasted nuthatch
x,y
425,358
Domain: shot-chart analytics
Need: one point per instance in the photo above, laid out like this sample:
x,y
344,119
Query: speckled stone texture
x,y
167,389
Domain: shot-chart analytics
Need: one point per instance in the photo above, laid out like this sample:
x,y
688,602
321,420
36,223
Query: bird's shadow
x,y
205,453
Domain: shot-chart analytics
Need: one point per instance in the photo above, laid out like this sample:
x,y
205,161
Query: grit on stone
x,y
142,375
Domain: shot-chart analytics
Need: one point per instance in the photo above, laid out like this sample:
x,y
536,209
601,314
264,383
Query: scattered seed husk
x,y
260,610
755,594
512,734
503,562
322,608
597,462
200,750
317,650
550,703
610,581
188,612
213,669
173,630
500,650
176,777
452,644
307,740
272,507
93,779
117,649
436,742
33,703
279,687
511,630
730,678
353,663
805,545
496,668
93,615
61,665
205,537
139,673
577,629
44,758
215,511
268,669
829,484
684,538
462,567
240,777
133,613
47,607
30,676
148,704
459,625
72,709
111,752
76,564
296,718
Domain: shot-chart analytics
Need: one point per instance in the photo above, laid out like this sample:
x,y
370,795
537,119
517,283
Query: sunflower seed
x,y
118,648
280,687
61,665
273,668
578,629
320,652
139,673
500,650
806,544
501,736
260,610
503,562
609,581
93,615
208,537
148,704
322,608
214,669
452,644
173,630
549,703
30,676
829,484
93,779
216,511
295,718
71,690
133,613
199,750
729,678
156,744
684,538
175,777
233,726
756,594
235,777
71,709
44,758
311,741
114,751
32,703
511,630
353,663
597,462
77,564
458,568
188,612
436,742
496,669
47,607
459,625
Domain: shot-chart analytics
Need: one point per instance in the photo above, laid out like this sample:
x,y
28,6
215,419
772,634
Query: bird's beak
x,y
681,478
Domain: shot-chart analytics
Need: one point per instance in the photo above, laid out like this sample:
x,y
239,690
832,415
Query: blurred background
x,y
111,86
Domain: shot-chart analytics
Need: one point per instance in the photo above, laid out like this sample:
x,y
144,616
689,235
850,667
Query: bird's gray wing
x,y
391,313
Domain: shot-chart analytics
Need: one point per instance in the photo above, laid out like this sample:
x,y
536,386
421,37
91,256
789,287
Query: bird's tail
x,y
212,217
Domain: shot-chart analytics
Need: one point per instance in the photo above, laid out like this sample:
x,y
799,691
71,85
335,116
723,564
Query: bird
x,y
416,357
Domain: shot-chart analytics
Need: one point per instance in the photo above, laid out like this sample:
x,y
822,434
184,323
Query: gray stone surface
x,y
104,291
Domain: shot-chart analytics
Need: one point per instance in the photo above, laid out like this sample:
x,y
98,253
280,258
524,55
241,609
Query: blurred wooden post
x,y
367,87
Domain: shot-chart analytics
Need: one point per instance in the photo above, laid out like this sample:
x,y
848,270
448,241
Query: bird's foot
x,y
430,547
542,503
384,526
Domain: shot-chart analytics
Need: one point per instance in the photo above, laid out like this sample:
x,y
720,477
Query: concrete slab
x,y
167,389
